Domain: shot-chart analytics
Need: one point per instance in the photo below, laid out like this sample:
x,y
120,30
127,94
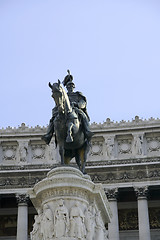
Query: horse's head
x,y
57,94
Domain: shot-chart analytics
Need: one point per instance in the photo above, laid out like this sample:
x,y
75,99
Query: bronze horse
x,y
68,129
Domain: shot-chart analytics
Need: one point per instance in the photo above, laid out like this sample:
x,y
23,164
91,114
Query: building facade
x,y
124,157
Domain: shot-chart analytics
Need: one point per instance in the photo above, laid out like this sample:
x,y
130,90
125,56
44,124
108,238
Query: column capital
x,y
22,198
111,193
141,192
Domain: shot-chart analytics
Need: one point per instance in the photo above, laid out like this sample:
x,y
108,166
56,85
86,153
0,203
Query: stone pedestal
x,y
70,207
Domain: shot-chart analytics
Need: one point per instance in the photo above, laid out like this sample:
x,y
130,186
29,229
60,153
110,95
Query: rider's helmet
x,y
68,80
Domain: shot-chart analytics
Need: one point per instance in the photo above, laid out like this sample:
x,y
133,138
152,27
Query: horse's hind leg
x,y
85,152
78,160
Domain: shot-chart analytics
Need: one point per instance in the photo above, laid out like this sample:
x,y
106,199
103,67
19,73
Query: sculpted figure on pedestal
x,y
77,227
99,227
70,122
90,222
61,220
36,232
47,223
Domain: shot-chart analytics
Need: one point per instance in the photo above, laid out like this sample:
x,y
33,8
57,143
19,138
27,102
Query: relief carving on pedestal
x,y
61,220
73,223
36,232
77,227
90,222
100,231
47,227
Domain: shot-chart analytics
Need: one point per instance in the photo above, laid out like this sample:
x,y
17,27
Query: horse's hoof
x,y
69,139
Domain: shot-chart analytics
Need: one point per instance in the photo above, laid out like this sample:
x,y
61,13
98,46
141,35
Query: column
x,y
22,220
143,216
113,226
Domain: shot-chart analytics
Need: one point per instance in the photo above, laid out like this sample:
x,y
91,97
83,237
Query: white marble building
x,y
124,157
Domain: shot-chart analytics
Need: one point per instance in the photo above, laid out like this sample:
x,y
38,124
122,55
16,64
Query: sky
x,y
112,48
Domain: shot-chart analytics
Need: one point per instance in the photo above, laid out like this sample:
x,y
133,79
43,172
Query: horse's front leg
x,y
61,152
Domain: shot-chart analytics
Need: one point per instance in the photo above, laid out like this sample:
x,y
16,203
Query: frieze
x,y
124,161
125,176
26,167
25,180
112,176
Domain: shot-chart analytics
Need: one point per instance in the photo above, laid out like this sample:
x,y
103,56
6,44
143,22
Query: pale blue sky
x,y
112,48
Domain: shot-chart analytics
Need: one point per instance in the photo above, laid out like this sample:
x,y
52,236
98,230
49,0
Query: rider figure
x,y
78,102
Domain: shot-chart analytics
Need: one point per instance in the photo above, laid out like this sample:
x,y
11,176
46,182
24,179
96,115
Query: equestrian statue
x,y
70,123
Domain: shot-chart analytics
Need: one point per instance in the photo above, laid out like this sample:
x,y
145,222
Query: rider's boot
x,y
47,137
87,132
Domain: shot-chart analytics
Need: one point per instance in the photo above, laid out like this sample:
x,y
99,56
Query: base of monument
x,y
69,204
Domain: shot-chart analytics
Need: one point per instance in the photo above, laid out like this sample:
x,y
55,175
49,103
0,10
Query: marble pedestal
x,y
70,207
